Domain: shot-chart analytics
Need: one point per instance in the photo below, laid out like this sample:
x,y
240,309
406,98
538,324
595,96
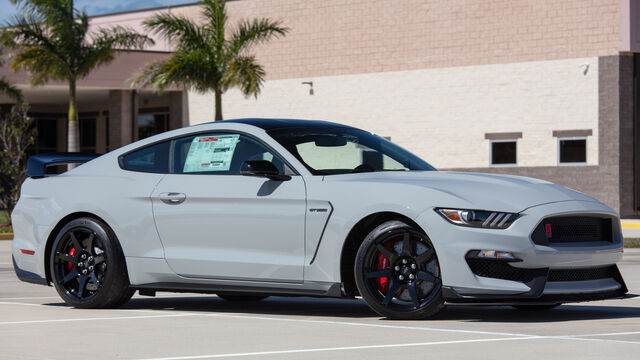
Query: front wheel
x,y
88,267
397,272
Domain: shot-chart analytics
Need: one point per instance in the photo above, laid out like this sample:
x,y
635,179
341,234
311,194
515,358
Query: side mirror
x,y
262,168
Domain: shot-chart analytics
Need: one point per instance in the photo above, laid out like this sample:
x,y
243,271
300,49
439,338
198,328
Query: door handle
x,y
172,198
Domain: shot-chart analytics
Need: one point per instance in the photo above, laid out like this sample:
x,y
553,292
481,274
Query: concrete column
x,y
178,112
123,110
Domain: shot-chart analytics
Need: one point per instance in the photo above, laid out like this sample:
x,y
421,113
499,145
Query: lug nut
x,y
401,277
397,268
90,258
404,261
91,269
411,277
413,266
84,256
84,272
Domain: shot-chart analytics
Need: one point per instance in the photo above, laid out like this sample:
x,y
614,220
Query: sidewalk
x,y
630,228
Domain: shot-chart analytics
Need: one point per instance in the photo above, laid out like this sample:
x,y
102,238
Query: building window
x,y
503,152
572,151
152,122
88,132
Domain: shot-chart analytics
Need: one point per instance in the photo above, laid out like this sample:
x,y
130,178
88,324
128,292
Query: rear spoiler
x,y
37,164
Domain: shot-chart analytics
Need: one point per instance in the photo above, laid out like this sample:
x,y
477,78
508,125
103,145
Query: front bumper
x,y
534,278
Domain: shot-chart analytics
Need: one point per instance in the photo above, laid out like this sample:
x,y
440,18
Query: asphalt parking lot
x,y
36,324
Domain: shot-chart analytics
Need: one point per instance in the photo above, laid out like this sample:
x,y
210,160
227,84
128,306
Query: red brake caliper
x,y
70,265
383,263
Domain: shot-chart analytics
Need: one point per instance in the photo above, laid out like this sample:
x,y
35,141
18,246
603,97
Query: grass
x,y
4,222
632,242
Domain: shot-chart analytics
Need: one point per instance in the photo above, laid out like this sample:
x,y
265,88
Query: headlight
x,y
478,218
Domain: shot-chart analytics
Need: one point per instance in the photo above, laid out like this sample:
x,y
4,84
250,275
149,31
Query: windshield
x,y
342,150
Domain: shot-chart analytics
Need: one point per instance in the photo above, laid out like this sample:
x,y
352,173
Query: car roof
x,y
271,124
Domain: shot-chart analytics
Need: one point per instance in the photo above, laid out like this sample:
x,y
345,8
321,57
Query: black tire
x,y
241,297
87,266
540,307
412,267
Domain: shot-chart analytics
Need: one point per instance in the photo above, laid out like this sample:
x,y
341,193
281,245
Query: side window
x,y
221,154
154,159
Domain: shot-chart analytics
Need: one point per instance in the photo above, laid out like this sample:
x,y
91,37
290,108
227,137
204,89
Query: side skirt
x,y
329,290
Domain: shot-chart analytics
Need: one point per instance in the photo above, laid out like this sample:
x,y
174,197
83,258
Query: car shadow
x,y
350,308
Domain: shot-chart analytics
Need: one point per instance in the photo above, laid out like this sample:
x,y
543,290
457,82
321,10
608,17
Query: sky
x,y
97,7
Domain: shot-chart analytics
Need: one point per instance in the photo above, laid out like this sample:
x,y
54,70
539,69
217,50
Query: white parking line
x,y
31,298
608,334
173,313
279,352
93,319
348,323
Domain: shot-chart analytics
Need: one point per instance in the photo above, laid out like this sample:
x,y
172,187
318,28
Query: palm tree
x,y
205,58
53,42
8,89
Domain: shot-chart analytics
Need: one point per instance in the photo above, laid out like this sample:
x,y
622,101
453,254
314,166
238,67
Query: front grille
x,y
572,229
502,270
582,274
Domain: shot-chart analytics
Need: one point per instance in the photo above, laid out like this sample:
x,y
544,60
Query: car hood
x,y
473,190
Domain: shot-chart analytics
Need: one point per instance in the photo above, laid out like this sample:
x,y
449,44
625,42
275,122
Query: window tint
x,y
503,152
573,151
221,154
153,159
341,150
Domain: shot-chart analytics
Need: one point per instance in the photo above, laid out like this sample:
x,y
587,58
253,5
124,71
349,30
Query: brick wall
x,y
331,37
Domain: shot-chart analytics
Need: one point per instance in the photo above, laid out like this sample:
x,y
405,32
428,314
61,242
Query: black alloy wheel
x,y
397,272
87,266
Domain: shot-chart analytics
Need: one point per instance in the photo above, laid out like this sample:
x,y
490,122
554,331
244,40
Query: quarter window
x,y
503,152
572,151
153,159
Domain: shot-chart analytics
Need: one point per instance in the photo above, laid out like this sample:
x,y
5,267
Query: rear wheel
x,y
87,266
397,272
241,297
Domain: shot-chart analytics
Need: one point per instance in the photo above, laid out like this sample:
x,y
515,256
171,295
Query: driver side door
x,y
215,223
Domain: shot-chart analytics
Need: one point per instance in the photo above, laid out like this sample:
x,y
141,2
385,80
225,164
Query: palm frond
x,y
252,32
246,73
104,44
191,70
10,90
41,65
175,28
215,17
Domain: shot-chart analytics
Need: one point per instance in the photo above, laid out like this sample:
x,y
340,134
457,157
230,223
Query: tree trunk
x,y
218,95
73,133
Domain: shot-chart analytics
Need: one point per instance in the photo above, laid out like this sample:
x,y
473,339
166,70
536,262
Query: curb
x,y
6,236
630,225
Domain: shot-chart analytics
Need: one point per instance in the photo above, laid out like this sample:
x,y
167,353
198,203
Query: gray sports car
x,y
257,207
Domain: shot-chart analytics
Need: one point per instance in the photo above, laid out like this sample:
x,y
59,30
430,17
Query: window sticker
x,y
210,153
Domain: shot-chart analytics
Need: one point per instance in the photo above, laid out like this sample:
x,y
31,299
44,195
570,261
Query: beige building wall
x,y
441,114
334,37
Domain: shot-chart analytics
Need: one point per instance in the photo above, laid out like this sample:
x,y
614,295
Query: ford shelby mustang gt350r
x,y
257,207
